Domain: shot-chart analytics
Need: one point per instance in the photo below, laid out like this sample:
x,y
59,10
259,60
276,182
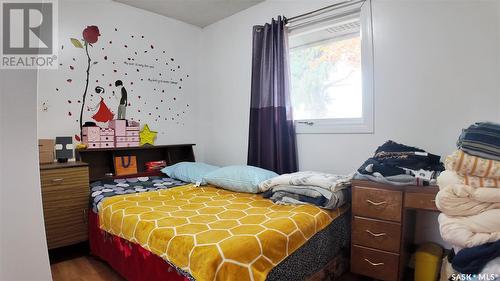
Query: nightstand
x,y
383,227
65,196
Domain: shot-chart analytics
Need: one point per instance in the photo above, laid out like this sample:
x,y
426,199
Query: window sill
x,y
333,127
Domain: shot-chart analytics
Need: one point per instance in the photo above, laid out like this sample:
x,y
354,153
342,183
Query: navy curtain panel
x,y
272,143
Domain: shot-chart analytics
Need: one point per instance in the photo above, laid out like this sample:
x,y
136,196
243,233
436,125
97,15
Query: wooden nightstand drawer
x,y
426,201
65,194
376,234
377,203
374,263
64,177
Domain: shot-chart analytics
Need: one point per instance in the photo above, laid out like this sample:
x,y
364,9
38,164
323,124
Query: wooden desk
x,y
383,227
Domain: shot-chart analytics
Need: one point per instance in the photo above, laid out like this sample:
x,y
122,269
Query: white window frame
x,y
365,124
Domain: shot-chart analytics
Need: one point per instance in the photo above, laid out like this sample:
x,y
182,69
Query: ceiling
x,y
197,12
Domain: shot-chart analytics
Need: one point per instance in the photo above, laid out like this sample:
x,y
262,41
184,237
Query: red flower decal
x,y
91,34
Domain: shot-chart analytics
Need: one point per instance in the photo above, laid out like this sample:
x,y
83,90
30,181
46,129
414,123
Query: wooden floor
x,y
83,268
73,263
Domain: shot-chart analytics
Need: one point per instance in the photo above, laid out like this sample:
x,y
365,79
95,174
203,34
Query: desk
x,y
383,226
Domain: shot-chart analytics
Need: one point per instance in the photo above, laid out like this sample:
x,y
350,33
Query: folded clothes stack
x,y
481,139
324,190
399,164
469,199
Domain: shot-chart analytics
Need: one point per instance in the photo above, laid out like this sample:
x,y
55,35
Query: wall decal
x,y
122,107
99,90
44,107
147,136
90,36
147,77
103,114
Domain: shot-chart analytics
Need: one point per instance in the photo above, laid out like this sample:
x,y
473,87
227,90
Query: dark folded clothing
x,y
278,196
398,161
400,155
472,260
481,139
374,166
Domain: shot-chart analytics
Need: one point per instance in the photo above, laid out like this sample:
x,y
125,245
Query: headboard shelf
x,y
145,147
101,160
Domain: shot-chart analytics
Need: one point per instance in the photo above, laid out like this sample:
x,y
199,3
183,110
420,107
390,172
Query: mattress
x,y
202,233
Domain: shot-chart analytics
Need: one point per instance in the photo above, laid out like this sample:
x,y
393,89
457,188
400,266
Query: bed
x,y
156,228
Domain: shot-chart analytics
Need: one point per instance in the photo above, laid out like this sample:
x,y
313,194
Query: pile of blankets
x,y
399,164
469,199
324,190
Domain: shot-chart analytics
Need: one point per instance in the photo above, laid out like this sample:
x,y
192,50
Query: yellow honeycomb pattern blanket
x,y
211,233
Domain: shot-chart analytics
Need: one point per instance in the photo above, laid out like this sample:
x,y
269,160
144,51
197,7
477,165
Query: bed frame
x,y
329,259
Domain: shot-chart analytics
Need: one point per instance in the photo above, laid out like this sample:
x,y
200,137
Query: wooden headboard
x,y
101,160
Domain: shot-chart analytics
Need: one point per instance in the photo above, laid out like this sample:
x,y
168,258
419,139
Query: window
x,y
331,65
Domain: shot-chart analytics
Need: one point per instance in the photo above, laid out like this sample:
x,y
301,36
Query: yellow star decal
x,y
147,136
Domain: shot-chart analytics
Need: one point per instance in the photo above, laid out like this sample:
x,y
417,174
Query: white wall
x,y
23,248
121,25
436,71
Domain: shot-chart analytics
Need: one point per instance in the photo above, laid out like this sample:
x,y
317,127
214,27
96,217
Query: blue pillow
x,y
239,178
189,171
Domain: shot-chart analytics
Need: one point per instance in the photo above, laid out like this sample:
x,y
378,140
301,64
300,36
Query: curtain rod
x,y
305,15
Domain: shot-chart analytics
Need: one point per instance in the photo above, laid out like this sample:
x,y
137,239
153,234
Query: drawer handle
x,y
375,203
376,234
85,216
374,263
57,180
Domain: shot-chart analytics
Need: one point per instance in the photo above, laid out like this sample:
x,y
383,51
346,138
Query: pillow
x,y
239,178
189,171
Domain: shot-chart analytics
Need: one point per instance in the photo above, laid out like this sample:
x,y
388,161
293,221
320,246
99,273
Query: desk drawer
x,y
377,203
376,234
374,263
426,201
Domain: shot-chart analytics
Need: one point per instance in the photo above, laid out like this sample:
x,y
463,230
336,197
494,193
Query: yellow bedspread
x,y
211,233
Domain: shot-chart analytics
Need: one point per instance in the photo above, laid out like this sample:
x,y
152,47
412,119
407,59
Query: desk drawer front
x,y
374,263
376,234
377,203
421,201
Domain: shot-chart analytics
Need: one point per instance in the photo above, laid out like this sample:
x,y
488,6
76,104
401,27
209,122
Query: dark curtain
x,y
272,143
